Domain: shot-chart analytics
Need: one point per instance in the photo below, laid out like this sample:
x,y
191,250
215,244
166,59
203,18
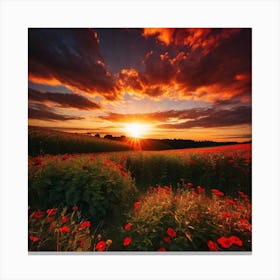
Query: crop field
x,y
176,200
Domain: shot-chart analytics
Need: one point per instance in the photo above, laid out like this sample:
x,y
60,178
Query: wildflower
x,y
225,215
75,208
167,239
229,201
109,242
126,241
64,219
65,157
189,184
200,189
51,212
170,231
49,219
127,227
235,240
64,229
224,242
84,167
212,245
100,246
136,205
161,249
85,224
217,192
38,215
33,238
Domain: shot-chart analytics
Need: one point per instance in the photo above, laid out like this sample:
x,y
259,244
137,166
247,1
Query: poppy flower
x,y
51,212
64,229
162,249
224,242
84,167
167,239
217,192
85,224
229,201
212,245
127,227
136,205
126,241
235,240
225,215
33,238
200,189
38,214
82,241
170,231
189,184
75,208
100,246
64,219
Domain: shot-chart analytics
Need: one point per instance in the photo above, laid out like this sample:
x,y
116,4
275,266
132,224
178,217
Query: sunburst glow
x,y
136,130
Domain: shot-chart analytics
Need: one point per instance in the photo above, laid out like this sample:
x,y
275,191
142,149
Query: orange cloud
x,y
163,34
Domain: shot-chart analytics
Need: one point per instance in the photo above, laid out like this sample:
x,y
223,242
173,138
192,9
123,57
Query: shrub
x,y
101,188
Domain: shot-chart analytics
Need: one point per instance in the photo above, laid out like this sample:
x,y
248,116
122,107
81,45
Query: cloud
x,y
215,118
43,112
212,65
71,57
64,100
196,117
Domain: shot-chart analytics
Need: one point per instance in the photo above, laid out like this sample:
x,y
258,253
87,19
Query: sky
x,y
187,83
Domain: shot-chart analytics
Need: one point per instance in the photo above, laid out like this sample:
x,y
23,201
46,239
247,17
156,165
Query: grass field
x,y
176,200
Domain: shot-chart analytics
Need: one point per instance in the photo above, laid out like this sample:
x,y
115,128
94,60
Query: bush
x,y
189,220
101,188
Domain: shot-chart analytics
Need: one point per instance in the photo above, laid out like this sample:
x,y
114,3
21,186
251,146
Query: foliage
x,y
101,188
189,220
58,230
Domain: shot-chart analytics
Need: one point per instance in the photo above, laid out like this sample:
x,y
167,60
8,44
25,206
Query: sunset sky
x,y
188,83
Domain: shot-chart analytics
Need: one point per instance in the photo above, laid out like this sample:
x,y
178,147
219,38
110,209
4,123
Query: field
x,y
175,200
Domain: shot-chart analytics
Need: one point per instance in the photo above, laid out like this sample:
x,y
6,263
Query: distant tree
x,y
97,135
108,136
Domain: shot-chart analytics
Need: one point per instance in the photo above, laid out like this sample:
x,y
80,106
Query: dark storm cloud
x,y
43,112
206,64
196,117
64,100
71,57
216,118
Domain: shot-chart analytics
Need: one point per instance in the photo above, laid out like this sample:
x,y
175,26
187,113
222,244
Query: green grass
x,y
45,141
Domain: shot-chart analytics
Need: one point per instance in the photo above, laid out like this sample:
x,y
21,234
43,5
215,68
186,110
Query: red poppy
x,y
75,208
127,227
136,205
224,242
212,245
51,212
217,192
38,215
235,240
33,238
170,231
126,241
200,189
84,167
189,184
229,201
49,219
64,229
64,219
85,224
100,246
162,249
167,239
225,215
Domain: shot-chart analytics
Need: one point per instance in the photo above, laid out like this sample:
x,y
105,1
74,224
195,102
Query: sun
x,y
136,130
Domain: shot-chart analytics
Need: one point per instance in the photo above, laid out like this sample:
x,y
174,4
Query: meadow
x,y
175,200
